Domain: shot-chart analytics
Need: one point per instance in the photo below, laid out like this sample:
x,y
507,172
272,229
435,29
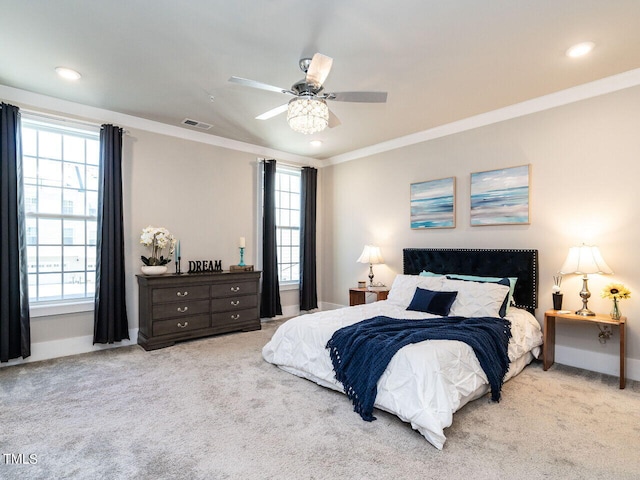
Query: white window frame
x,y
71,305
284,285
285,209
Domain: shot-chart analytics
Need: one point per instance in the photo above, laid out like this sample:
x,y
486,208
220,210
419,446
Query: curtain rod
x,y
58,118
285,164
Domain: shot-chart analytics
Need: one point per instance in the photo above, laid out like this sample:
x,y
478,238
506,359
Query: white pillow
x,y
475,299
404,288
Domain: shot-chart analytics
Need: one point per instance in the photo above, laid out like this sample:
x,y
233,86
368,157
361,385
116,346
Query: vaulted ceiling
x,y
440,61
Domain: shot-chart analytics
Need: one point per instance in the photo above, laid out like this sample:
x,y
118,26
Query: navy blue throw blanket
x,y
361,352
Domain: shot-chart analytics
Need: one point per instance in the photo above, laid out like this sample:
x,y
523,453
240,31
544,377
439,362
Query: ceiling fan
x,y
308,111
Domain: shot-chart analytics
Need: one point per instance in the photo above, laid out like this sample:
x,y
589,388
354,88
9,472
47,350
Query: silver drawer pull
x,y
182,310
183,326
180,294
235,316
235,303
235,289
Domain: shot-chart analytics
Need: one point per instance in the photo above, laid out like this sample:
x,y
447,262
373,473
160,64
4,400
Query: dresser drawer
x,y
236,317
233,303
193,292
180,325
231,289
180,309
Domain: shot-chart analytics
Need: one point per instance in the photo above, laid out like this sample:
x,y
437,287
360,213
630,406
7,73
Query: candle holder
x,y
178,272
241,264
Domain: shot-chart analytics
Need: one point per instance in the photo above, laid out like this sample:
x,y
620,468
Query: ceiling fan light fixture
x,y
307,115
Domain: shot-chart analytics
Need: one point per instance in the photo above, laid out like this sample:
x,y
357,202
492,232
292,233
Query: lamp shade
x,y
583,260
308,114
371,255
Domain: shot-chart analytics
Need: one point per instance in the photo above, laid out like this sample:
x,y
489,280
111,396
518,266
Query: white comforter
x,y
424,384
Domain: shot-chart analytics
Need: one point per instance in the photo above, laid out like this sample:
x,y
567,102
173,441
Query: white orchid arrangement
x,y
157,238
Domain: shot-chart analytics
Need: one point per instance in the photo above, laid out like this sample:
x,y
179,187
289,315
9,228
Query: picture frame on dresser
x,y
177,307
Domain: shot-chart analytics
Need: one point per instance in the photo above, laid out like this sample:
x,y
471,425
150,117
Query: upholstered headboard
x,y
484,262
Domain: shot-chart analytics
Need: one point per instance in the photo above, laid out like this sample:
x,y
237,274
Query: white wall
x,y
585,167
204,195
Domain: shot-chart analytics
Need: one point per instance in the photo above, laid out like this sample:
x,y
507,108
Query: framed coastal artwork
x,y
433,204
500,197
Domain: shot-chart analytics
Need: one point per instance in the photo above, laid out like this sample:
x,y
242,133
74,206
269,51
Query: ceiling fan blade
x,y
333,120
262,86
365,97
319,69
273,112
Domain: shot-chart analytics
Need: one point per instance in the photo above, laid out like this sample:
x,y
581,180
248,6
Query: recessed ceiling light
x,y
315,143
580,49
68,73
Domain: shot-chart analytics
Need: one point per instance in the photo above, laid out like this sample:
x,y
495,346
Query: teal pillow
x,y
430,274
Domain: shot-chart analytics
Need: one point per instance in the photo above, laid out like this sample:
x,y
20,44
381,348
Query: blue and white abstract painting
x,y
433,204
500,197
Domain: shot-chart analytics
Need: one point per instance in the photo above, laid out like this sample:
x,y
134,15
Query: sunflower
x,y
616,291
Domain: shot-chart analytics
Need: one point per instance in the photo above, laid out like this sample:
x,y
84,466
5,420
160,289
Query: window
x,y
60,166
288,224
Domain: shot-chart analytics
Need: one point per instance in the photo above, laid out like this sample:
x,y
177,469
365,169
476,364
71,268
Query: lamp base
x,y
584,295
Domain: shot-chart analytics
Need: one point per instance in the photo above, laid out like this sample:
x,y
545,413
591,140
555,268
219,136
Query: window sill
x,y
50,309
289,286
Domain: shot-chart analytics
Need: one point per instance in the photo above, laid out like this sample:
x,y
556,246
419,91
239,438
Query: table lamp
x,y
370,255
584,260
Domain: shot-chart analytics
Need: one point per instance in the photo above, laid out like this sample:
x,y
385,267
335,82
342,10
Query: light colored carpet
x,y
213,409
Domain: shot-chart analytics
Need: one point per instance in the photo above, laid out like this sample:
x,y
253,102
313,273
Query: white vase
x,y
154,269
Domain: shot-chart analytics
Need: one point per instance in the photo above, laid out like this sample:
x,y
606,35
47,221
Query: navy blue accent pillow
x,y
436,303
503,281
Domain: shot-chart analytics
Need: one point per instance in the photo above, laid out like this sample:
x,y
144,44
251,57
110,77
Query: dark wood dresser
x,y
181,307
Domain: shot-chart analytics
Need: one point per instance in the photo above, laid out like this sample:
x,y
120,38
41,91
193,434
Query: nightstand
x,y
549,346
357,296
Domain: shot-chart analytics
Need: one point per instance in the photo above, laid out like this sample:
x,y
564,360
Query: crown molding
x,y
45,104
585,91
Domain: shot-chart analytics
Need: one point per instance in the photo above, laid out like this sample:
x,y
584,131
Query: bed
x,y
425,383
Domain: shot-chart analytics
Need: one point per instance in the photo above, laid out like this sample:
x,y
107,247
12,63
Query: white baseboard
x,y
69,346
573,357
597,362
76,345
289,311
330,306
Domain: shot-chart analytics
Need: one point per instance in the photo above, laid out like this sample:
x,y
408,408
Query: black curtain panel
x,y
270,297
308,286
110,315
15,331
